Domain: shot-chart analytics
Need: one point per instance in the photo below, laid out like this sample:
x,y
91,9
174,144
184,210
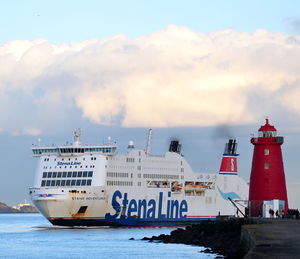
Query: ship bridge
x,y
73,151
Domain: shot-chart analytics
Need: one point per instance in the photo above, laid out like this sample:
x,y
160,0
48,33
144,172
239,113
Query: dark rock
x,y
222,237
132,238
207,251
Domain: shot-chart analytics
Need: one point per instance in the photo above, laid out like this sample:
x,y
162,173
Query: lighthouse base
x,y
259,208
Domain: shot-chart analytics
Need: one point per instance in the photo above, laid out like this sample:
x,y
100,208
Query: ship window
x,y
48,183
44,174
89,182
68,182
266,165
79,174
78,182
73,182
84,174
69,174
64,174
49,174
58,174
57,182
90,174
63,182
54,174
74,174
266,151
52,183
83,182
43,183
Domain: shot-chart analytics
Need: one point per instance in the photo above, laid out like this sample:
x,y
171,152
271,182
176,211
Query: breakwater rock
x,y
251,238
222,237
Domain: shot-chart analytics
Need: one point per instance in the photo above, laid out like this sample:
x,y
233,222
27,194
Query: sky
x,y
201,71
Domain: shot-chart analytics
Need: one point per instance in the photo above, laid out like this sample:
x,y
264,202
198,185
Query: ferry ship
x,y
94,185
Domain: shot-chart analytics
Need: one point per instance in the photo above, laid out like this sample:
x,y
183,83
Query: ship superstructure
x,y
78,184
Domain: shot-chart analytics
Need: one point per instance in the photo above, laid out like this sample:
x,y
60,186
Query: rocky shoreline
x,y
222,237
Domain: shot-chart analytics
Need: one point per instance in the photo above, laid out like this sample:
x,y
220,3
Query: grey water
x,y
32,236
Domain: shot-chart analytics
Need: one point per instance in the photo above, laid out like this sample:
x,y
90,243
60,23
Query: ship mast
x,y
149,139
77,134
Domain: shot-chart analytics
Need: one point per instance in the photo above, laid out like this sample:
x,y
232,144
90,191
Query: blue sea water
x,y
32,236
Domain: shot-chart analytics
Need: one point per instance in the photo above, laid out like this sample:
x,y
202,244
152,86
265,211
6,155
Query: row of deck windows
x,y
72,150
40,151
113,174
78,182
119,183
67,174
161,176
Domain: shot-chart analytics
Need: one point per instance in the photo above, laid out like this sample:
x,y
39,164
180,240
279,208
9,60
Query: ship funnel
x,y
229,159
230,147
175,146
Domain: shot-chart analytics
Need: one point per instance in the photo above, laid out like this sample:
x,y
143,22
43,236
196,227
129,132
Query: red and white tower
x,y
267,180
229,159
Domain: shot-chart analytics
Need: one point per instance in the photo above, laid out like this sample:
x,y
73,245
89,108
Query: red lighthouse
x,y
267,181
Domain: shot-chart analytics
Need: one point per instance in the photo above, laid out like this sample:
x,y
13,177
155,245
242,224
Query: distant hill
x,y
22,208
6,209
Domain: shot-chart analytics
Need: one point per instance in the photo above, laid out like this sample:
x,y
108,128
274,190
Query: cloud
x,y
27,131
172,77
293,23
